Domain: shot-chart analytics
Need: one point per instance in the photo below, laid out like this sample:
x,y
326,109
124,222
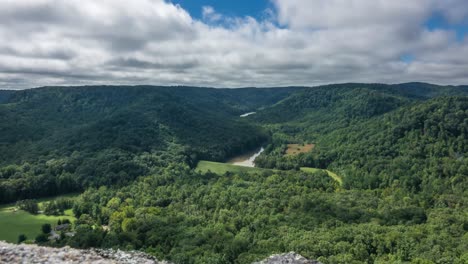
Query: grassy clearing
x,y
222,168
333,175
13,223
295,149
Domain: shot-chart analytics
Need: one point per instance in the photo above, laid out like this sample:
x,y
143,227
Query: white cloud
x,y
210,14
54,42
350,13
454,10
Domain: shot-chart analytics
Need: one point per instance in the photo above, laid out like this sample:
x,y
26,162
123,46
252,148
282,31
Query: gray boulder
x,y
287,258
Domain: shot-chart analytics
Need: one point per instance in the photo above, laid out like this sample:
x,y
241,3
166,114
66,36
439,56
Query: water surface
x,y
247,159
247,114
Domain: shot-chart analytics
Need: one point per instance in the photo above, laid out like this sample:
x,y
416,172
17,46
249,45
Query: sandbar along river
x,y
246,160
247,114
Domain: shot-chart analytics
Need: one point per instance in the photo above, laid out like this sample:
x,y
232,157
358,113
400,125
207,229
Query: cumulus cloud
x,y
210,14
300,42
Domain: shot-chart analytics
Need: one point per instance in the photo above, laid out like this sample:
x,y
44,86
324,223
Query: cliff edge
x,y
11,253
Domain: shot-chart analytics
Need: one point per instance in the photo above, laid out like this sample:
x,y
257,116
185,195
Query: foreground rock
x,y
10,253
287,258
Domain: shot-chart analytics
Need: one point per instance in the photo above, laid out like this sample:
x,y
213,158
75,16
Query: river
x,y
246,160
247,114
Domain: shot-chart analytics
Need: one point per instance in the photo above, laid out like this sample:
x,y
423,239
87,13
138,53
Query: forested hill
x,y
351,101
64,119
426,90
410,145
415,146
96,131
5,95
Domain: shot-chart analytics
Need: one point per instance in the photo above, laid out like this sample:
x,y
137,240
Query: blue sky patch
x,y
437,21
236,8
407,58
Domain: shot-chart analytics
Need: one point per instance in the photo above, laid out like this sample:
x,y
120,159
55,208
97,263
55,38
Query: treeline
x,y
58,206
54,207
29,205
67,174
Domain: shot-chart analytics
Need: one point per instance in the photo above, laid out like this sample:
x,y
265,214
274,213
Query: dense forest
x,y
401,151
57,140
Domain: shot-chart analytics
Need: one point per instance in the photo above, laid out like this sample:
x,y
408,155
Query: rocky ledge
x,y
11,253
287,258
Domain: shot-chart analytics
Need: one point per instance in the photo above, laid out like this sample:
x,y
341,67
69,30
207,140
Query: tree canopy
x,y
400,150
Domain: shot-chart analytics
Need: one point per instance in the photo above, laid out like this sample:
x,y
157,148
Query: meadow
x,y
333,175
14,222
221,168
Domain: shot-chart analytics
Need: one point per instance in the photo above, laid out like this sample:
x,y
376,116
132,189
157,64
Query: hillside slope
x,y
375,136
409,145
346,102
61,139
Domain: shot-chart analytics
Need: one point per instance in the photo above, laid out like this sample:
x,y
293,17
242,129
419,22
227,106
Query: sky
x,y
217,43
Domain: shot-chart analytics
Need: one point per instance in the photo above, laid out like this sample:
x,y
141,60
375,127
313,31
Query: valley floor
x,y
221,168
15,222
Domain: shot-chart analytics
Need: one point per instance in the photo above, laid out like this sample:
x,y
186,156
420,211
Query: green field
x,y
13,223
333,175
221,168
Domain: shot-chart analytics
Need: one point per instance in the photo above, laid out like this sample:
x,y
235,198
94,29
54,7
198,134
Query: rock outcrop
x,y
287,258
10,253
